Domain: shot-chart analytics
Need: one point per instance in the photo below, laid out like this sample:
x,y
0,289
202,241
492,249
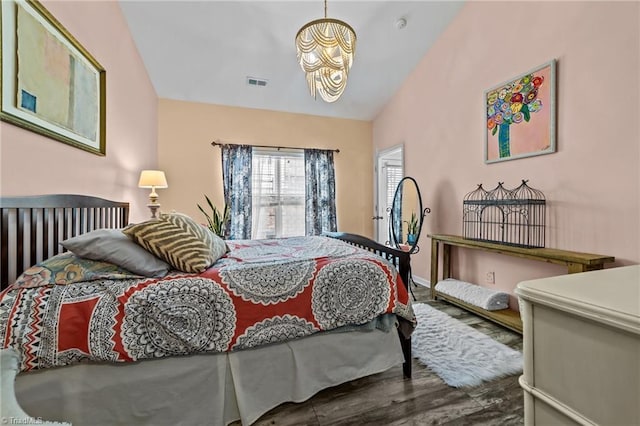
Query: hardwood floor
x,y
388,399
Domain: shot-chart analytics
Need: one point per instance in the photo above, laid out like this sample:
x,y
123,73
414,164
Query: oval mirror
x,y
406,216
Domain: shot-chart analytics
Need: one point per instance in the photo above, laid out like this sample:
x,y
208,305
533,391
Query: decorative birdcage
x,y
515,217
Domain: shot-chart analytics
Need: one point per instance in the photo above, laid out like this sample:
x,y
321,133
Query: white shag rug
x,y
459,354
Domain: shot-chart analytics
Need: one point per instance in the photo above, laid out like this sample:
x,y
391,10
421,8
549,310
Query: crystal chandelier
x,y
325,52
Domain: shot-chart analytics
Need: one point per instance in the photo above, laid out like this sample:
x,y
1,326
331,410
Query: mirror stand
x,y
406,219
406,216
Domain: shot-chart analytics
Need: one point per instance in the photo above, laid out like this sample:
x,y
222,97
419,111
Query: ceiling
x,y
203,51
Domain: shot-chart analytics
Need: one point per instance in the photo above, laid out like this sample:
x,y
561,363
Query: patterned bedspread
x,y
261,292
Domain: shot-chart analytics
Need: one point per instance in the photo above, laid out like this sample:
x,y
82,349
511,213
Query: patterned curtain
x,y
236,178
320,192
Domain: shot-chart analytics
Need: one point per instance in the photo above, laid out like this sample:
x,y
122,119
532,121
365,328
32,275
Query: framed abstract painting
x,y
520,116
49,83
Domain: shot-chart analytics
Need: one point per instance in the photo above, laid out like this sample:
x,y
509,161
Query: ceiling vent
x,y
253,81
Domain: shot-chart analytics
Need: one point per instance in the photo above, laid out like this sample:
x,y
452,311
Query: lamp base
x,y
154,207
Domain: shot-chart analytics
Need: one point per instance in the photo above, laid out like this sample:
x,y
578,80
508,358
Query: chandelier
x,y
325,53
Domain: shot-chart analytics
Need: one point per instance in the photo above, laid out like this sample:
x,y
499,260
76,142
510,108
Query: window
x,y
393,176
278,186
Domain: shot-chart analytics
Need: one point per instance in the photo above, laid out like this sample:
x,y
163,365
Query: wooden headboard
x,y
31,227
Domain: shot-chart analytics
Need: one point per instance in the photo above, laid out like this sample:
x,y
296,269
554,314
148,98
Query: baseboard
x,y
421,281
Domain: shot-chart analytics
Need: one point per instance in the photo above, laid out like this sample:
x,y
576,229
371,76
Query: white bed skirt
x,y
211,389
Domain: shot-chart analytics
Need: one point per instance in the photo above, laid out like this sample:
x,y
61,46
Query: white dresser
x,y
582,348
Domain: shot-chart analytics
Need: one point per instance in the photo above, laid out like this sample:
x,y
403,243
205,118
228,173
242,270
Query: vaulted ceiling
x,y
203,51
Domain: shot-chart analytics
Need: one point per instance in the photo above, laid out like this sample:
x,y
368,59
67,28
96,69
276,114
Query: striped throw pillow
x,y
179,241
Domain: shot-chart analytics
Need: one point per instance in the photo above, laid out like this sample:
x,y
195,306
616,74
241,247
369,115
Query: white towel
x,y
485,298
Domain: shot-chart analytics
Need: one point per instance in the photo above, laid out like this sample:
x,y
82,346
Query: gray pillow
x,y
111,245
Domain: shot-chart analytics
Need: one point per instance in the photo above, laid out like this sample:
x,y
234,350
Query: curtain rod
x,y
217,143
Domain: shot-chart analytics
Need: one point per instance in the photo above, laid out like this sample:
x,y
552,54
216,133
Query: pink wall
x,y
592,182
32,164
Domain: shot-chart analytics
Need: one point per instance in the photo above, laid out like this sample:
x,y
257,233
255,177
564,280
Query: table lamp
x,y
153,179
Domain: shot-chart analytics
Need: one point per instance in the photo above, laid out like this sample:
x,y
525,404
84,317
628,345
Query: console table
x,y
574,261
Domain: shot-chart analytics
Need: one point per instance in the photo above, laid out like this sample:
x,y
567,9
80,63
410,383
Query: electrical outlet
x,y
490,278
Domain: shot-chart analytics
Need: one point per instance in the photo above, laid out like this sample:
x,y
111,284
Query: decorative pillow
x,y
179,240
111,245
67,268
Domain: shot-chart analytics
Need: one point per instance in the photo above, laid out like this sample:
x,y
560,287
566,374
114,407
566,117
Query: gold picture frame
x,y
49,83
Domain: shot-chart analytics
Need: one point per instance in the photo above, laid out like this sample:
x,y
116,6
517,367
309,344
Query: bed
x,y
216,387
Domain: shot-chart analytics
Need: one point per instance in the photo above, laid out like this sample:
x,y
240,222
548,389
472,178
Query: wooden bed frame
x,y
31,228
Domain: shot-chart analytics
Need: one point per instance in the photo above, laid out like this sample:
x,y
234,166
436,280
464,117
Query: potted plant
x,y
412,229
216,220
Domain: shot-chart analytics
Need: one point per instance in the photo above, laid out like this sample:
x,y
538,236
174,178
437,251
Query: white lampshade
x,y
152,179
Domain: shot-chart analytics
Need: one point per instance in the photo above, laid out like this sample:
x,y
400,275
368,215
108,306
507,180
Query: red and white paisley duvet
x,y
261,292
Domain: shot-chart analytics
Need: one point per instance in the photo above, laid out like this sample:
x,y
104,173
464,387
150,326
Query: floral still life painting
x,y
520,116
